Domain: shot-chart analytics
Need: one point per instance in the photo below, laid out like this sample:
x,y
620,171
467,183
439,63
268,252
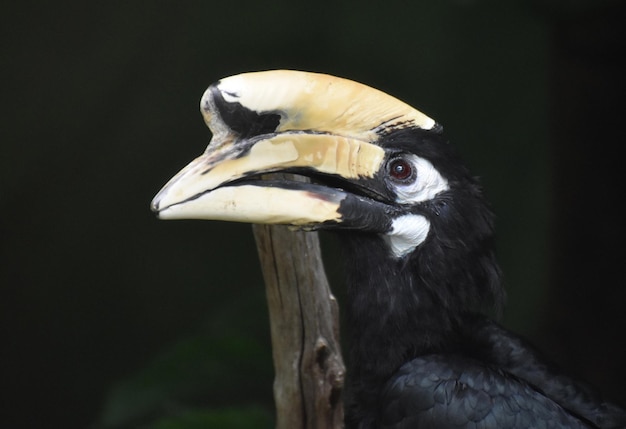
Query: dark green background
x,y
110,317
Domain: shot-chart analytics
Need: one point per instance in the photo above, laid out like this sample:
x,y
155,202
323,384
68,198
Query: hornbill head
x,y
378,168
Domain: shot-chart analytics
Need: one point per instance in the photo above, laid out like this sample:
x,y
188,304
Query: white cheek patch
x,y
428,184
407,232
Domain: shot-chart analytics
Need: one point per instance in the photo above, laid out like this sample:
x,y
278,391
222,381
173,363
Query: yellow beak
x,y
284,121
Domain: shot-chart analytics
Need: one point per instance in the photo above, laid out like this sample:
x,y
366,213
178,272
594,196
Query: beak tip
x,y
163,209
155,205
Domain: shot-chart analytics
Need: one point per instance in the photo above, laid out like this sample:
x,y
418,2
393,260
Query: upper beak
x,y
286,121
225,183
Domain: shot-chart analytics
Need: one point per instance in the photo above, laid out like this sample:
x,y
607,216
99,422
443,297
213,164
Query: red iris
x,y
400,169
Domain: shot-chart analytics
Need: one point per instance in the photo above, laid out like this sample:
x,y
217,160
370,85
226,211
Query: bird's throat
x,y
392,317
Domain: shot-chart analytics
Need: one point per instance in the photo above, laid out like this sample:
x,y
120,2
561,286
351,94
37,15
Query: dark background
x,y
111,318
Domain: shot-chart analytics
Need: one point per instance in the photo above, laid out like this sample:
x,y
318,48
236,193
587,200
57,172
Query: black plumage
x,y
422,352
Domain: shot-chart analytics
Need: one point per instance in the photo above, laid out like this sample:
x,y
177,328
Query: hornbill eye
x,y
401,170
413,179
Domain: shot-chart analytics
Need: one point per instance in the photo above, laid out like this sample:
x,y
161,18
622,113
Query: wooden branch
x,y
304,326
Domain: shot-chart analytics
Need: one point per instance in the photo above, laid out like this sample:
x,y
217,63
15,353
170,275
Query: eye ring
x,y
401,170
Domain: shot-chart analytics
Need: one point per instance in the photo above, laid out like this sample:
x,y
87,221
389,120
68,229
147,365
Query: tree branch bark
x,y
304,327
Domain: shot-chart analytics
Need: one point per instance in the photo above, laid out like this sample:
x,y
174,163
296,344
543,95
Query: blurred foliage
x,y
201,370
240,418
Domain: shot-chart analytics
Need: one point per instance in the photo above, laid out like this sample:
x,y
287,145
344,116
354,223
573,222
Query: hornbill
x,y
417,234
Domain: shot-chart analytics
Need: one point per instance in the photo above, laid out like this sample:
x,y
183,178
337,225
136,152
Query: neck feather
x,y
399,309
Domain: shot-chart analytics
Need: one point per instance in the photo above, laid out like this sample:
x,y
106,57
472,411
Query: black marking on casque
x,y
384,128
244,122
